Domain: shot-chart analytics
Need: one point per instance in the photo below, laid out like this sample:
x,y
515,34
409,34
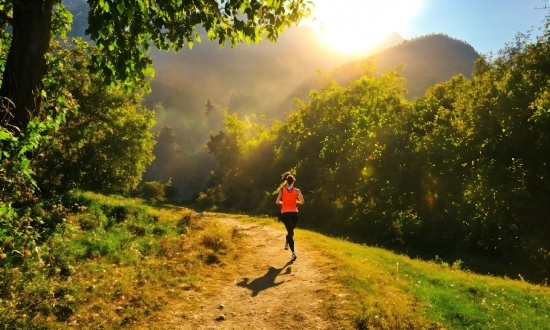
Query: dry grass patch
x,y
119,266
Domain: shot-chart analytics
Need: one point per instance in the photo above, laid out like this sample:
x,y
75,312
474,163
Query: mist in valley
x,y
259,82
253,81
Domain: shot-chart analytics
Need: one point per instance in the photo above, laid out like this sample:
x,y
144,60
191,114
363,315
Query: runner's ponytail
x,y
287,179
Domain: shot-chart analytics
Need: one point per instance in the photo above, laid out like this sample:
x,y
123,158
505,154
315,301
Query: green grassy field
x,y
118,262
390,291
435,292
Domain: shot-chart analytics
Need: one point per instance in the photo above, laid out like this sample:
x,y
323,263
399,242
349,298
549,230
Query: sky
x,y
487,25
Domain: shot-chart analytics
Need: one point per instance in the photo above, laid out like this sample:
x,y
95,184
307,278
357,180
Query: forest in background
x,y
259,82
267,97
462,170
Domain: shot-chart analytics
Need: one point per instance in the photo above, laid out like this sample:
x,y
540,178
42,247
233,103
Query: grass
x,y
117,262
390,291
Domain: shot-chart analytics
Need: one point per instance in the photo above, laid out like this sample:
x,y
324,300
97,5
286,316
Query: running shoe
x,y
286,246
293,257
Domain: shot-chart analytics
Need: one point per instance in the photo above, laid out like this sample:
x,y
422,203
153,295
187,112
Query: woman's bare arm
x,y
278,200
300,197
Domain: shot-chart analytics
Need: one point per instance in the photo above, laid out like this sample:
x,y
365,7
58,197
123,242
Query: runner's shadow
x,y
265,282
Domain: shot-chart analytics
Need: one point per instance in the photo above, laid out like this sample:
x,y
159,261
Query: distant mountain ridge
x,y
428,60
390,40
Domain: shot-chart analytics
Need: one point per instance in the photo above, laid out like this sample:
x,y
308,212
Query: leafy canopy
x,y
125,30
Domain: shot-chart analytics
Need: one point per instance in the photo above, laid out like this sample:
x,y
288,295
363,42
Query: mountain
x,y
391,40
428,60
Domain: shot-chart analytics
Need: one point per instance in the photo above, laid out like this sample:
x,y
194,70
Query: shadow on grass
x,y
266,281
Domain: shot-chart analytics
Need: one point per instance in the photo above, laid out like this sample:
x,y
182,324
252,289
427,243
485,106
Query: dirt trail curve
x,y
270,292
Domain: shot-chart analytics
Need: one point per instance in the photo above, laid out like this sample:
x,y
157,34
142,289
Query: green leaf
x,y
25,163
23,150
61,100
121,7
5,135
211,34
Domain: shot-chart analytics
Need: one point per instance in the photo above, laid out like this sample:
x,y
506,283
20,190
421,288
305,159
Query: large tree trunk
x,y
26,65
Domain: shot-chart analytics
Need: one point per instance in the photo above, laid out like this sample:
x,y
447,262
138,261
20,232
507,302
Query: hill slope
x,y
120,263
429,60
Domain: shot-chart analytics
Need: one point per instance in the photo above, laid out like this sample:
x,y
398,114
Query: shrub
x,y
136,230
159,231
171,193
213,242
92,220
119,213
153,191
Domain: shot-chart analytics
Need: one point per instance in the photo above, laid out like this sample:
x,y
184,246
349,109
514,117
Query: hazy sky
x,y
485,24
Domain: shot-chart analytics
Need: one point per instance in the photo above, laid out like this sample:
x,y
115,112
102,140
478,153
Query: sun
x,y
354,26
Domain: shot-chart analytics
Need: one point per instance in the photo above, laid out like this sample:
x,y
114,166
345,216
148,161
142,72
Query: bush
x,y
153,191
92,219
119,213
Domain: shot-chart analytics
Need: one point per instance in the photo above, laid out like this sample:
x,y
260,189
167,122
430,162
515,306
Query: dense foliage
x,y
105,145
88,136
463,169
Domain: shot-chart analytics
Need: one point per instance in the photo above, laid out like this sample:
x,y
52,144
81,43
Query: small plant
x,y
119,213
235,232
189,220
182,227
212,258
91,220
148,248
457,265
213,242
159,231
185,221
136,230
441,262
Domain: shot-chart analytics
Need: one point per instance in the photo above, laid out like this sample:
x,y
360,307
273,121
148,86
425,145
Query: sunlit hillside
x,y
133,266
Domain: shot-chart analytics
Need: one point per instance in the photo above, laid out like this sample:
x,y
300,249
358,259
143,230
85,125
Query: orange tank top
x,y
289,200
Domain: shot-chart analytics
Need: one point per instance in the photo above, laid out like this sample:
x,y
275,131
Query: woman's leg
x,y
290,219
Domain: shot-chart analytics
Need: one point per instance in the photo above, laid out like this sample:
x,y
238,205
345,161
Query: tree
x,y
106,145
124,32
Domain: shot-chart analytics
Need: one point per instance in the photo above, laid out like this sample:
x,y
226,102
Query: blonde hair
x,y
287,179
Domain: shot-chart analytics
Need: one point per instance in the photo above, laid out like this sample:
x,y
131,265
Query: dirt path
x,y
270,292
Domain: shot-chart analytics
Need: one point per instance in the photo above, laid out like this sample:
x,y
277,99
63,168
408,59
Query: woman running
x,y
288,197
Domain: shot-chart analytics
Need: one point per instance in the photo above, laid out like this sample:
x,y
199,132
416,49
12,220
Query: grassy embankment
x,y
390,291
120,263
117,263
